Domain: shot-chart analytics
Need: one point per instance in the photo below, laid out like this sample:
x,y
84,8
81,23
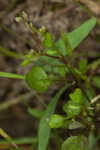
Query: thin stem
x,y
95,99
20,141
77,79
12,75
55,57
7,52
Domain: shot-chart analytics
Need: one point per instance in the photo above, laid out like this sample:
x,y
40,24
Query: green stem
x,y
7,52
11,75
77,79
27,140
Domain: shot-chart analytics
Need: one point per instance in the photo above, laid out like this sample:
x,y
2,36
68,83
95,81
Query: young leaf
x,y
11,75
30,57
48,41
77,96
44,129
37,79
72,109
51,51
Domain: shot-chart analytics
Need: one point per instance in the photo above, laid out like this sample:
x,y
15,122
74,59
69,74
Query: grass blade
x,y
21,141
44,129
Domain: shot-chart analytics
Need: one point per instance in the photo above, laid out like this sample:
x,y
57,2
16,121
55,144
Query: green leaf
x,y
51,52
44,129
30,57
72,109
96,81
26,62
48,64
93,141
56,121
35,112
49,60
83,66
62,71
79,74
37,79
75,125
77,36
75,143
48,41
11,75
77,96
62,47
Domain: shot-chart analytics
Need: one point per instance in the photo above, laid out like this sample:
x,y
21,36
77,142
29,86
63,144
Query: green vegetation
x,y
55,64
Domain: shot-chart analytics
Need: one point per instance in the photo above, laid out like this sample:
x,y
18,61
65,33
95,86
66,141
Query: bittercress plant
x,y
54,64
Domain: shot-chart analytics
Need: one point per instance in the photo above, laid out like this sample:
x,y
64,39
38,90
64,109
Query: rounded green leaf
x,y
56,121
37,79
75,143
